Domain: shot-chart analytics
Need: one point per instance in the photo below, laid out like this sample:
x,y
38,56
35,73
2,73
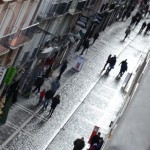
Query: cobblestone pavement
x,y
88,98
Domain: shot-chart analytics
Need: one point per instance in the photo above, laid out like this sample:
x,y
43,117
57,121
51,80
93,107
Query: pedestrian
x,y
95,139
124,14
128,14
133,20
38,83
85,46
96,142
146,10
79,144
124,67
147,28
127,32
143,26
48,95
138,20
112,63
63,68
42,94
96,35
108,61
55,102
55,85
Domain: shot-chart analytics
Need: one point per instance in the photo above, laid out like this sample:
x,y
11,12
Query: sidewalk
x,y
87,98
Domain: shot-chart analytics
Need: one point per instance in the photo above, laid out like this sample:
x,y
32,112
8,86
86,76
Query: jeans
x,y
46,102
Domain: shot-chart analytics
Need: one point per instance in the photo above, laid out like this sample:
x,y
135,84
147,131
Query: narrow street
x,y
88,98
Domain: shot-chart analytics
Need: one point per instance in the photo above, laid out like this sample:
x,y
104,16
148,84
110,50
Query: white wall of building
x,y
6,19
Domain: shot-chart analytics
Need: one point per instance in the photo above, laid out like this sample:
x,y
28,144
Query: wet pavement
x,y
88,98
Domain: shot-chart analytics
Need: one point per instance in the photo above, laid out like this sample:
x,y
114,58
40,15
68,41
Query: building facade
x,y
16,28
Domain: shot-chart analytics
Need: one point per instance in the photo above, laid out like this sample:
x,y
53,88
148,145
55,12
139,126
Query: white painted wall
x,y
20,15
32,11
6,19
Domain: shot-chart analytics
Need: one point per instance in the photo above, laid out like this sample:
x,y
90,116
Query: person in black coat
x,y
48,95
79,144
85,46
55,102
124,67
62,69
95,37
38,83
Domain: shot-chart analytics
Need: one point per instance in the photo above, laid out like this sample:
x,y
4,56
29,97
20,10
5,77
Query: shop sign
x,y
79,63
9,75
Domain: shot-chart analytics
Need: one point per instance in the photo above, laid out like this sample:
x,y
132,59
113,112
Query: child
x,y
42,94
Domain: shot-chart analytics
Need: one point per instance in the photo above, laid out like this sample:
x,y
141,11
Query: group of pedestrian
x,y
111,61
95,143
46,96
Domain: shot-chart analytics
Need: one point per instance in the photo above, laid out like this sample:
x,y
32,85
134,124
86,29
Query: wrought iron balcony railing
x,y
19,38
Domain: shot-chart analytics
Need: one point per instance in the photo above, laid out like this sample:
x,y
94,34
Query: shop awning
x,y
46,53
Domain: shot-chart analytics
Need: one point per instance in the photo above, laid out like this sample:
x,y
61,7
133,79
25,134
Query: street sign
x,y
2,73
9,75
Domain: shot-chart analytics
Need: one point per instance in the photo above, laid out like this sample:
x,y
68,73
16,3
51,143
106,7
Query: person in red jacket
x,y
42,94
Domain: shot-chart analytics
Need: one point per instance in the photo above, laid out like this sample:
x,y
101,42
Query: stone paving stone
x,y
6,131
18,117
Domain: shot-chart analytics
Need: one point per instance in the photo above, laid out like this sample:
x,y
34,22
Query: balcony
x,y
77,7
15,40
3,50
55,10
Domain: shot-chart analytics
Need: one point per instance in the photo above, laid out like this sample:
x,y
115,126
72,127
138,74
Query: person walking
x,y
146,10
95,139
133,20
124,14
96,35
142,27
108,61
55,102
55,85
138,20
127,33
128,14
85,46
124,67
42,94
79,144
38,83
147,28
63,68
48,95
111,64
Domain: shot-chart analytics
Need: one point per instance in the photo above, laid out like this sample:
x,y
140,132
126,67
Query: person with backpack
x,y
55,102
127,32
